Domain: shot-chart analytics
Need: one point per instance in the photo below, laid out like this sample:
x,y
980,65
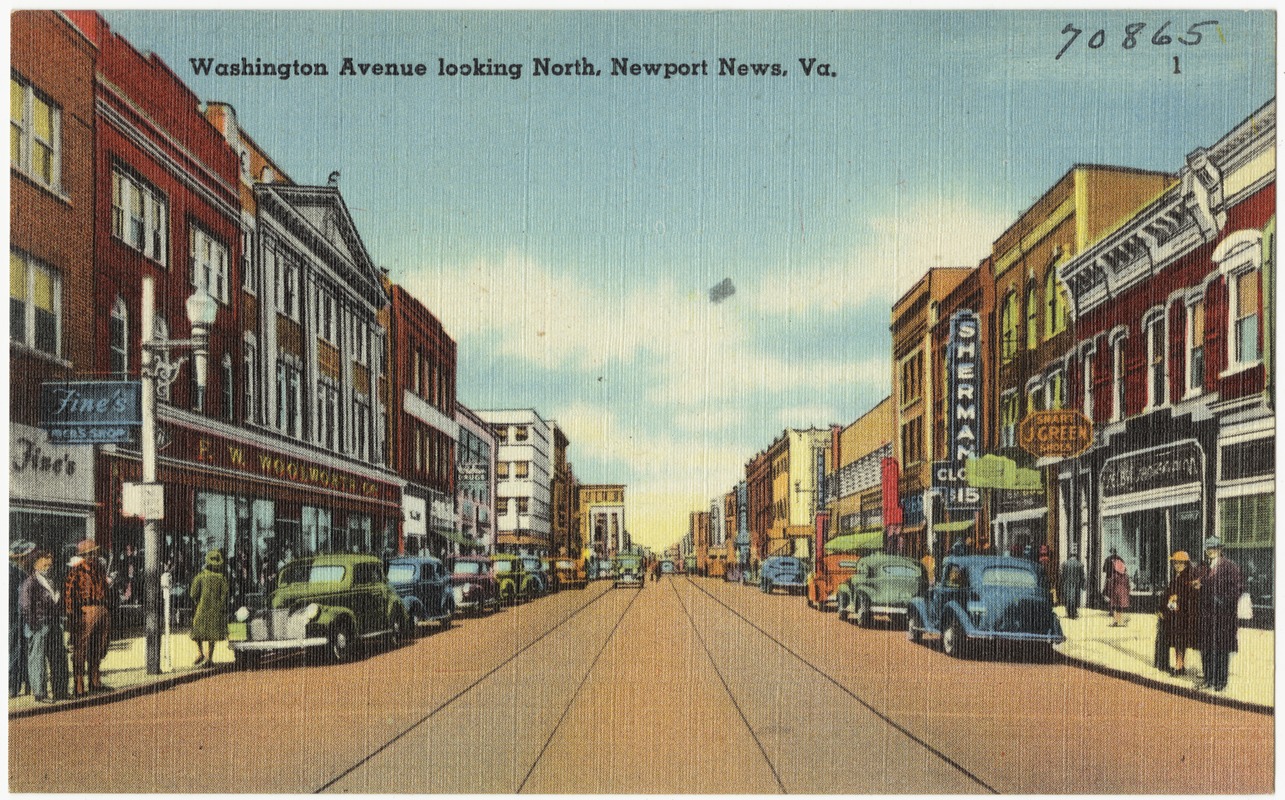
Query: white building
x,y
523,478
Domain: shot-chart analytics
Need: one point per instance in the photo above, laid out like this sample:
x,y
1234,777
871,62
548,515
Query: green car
x,y
882,586
517,585
327,603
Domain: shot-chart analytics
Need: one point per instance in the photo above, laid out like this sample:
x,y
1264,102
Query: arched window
x,y
118,346
1008,326
1055,300
1032,316
1239,258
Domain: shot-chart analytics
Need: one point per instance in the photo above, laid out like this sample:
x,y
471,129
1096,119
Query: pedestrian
x,y
1180,613
19,556
1071,583
210,621
930,567
1219,586
42,619
84,597
1116,588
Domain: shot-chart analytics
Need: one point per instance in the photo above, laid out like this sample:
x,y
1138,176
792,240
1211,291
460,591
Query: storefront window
x,y
1247,527
1146,538
359,533
317,529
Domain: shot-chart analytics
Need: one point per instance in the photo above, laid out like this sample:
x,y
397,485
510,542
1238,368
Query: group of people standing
x,y
39,608
1198,609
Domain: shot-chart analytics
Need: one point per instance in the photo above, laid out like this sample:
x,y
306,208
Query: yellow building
x,y
602,518
855,491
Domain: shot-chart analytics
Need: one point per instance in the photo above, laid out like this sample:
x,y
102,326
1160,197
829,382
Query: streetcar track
x,y
579,688
893,723
414,725
728,689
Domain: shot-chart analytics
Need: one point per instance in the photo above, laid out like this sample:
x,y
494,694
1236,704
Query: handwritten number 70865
x,y
1131,33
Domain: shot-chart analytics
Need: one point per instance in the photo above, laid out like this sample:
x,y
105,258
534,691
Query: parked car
x,y
325,602
881,585
985,598
569,573
603,569
627,571
425,588
515,584
667,567
473,584
830,573
541,580
782,572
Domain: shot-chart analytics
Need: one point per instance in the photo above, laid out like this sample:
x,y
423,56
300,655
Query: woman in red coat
x,y
1116,588
1181,611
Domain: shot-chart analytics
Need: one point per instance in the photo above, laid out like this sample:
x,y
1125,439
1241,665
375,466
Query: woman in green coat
x,y
210,593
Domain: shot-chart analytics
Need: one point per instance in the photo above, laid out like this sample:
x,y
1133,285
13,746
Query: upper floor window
x,y
250,377
1240,258
1117,378
912,441
35,304
229,389
209,265
140,217
1008,328
327,318
501,469
1086,381
1245,311
1032,316
35,134
1055,389
1155,331
360,339
521,469
118,344
288,285
520,433
912,378
1195,346
249,274
1010,412
1055,300
501,433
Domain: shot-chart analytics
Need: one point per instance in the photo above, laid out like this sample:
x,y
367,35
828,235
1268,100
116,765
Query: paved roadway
x,y
688,686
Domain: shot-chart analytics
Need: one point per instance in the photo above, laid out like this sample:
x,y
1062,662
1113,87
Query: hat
x,y
1180,555
20,548
214,558
1213,543
86,546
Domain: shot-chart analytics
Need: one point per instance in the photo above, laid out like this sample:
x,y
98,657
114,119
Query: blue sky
x,y
567,230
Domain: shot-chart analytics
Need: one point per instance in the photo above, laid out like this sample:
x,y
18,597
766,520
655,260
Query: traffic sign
x,y
1056,433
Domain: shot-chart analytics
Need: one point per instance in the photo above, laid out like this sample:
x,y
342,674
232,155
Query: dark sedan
x,y
473,584
425,589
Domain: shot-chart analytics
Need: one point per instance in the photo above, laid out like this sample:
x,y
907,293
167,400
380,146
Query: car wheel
x,y
412,624
506,596
841,606
914,628
246,659
398,629
864,616
446,620
954,640
341,641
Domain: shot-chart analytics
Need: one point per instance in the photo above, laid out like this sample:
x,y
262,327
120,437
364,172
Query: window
x,y
524,505
501,469
359,339
521,469
1010,411
520,433
229,389
288,285
1087,382
912,378
249,278
35,134
209,265
250,375
140,217
1117,379
1239,258
118,346
361,426
327,414
1245,312
1055,389
1032,316
1055,299
288,409
35,304
1196,346
501,433
1008,324
1155,328
912,441
326,318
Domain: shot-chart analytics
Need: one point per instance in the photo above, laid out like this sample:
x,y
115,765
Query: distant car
x,y
627,570
881,585
782,572
325,602
473,584
569,573
603,569
985,598
516,585
830,573
540,579
667,567
425,588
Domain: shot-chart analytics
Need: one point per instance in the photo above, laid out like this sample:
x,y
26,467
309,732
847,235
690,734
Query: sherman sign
x,y
1058,433
963,401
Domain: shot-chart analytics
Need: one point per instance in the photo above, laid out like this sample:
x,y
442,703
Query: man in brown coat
x,y
88,619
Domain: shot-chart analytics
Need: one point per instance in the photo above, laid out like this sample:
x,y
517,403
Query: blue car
x,y
424,586
783,572
985,598
540,583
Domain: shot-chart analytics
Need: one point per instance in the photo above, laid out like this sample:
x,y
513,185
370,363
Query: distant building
x,y
475,480
523,471
602,518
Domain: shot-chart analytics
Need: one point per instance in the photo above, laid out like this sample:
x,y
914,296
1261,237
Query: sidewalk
x,y
1127,652
125,671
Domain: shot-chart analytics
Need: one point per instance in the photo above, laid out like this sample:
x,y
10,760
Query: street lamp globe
x,y
201,312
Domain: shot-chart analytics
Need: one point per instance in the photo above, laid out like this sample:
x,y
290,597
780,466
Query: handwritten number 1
x,y
1075,33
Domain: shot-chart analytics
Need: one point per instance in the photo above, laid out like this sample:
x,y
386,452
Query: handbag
x,y
1245,607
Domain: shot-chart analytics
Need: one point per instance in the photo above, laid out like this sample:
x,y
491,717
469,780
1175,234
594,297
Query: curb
x,y
1190,694
123,693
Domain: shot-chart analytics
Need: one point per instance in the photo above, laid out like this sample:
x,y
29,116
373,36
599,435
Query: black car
x,y
424,586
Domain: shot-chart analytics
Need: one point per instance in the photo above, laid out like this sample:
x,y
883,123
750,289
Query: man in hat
x,y
19,552
88,619
1071,583
1220,585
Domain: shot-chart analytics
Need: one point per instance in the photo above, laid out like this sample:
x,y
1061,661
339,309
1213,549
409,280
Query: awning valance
x,y
871,539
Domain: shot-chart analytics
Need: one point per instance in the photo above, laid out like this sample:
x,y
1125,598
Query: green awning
x,y
951,527
454,536
852,542
996,472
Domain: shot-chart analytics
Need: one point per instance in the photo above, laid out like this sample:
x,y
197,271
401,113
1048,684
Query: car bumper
x,y
636,582
278,644
1015,637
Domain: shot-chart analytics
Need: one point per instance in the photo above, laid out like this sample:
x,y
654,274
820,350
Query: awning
x,y
861,540
996,472
951,527
455,536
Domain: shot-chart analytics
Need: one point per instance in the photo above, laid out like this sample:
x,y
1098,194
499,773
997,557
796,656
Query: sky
x,y
678,269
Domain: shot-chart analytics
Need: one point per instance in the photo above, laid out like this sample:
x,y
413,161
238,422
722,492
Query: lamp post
x,y
158,371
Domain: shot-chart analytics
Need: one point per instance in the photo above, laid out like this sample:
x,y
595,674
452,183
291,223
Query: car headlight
x,y
311,611
977,612
242,614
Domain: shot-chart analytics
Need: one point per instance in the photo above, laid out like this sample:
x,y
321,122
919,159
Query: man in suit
x,y
1220,585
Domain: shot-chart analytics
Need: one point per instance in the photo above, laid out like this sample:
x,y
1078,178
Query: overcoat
x,y
1183,623
1220,589
210,593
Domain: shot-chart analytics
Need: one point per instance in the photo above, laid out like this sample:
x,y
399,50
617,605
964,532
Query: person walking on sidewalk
x,y
19,555
42,618
84,596
210,593
1179,613
1071,583
1219,585
1117,587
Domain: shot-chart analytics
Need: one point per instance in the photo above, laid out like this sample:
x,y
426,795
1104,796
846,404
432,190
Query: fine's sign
x,y
1060,432
90,411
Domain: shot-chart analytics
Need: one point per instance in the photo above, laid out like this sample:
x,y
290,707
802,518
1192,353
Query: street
x,y
690,685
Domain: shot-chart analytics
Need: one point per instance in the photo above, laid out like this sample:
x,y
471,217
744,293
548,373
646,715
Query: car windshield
x,y
532,564
900,571
401,573
467,568
312,573
504,566
627,563
1009,576
564,564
